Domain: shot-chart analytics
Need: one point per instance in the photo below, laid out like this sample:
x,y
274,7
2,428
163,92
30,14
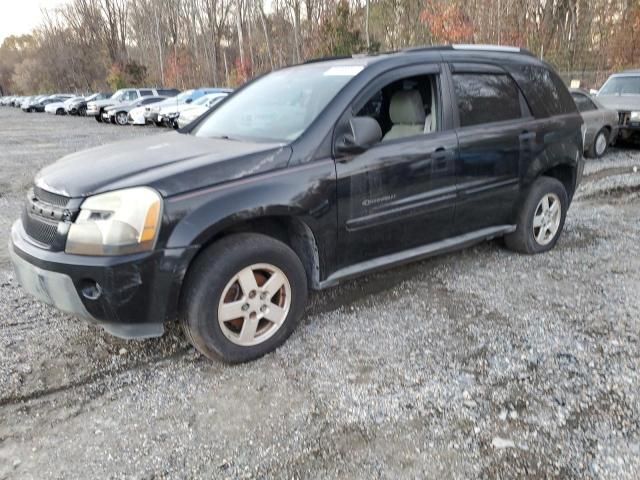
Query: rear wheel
x,y
82,111
243,297
541,218
99,117
60,111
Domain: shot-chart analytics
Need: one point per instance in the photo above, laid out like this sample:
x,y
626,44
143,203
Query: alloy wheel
x,y
254,304
121,118
601,144
546,219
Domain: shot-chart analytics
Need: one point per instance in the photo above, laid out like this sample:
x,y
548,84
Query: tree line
x,y
89,45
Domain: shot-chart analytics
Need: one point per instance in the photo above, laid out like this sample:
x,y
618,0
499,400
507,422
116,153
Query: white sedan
x,y
56,108
197,108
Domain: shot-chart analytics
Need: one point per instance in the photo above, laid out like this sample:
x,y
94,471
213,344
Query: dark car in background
x,y
621,92
79,106
40,103
95,108
357,164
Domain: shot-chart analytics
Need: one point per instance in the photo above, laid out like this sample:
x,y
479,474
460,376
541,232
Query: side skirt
x,y
417,253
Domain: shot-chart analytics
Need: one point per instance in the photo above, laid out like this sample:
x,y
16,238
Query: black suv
x,y
305,177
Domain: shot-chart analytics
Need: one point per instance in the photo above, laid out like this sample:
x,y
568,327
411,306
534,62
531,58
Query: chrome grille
x,y
623,118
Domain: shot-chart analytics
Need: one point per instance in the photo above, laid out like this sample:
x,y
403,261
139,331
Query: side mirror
x,y
364,133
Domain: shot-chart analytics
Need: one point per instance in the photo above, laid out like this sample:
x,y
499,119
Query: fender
x,y
307,192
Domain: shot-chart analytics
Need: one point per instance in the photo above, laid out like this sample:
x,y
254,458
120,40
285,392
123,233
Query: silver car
x,y
601,123
621,92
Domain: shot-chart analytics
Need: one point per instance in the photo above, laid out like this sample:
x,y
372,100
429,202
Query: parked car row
x,y
163,107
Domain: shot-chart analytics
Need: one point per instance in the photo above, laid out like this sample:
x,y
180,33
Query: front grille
x,y
623,118
42,215
40,229
50,198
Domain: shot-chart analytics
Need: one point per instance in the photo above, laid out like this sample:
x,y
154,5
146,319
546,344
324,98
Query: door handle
x,y
527,135
441,153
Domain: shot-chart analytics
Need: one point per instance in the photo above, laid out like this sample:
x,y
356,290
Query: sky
x,y
20,16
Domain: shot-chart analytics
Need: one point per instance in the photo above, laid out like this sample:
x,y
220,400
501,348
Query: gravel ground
x,y
478,364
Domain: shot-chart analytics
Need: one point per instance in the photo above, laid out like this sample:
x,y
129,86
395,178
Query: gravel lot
x,y
478,364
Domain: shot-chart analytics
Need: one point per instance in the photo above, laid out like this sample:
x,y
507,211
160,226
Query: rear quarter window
x,y
545,92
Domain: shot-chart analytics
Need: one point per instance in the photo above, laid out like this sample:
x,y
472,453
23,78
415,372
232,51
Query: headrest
x,y
406,108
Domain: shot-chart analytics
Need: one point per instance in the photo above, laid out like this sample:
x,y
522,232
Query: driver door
x,y
400,193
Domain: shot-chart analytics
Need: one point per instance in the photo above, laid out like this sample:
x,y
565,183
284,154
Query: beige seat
x,y
407,115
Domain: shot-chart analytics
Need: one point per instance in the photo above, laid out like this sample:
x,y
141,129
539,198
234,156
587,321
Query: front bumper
x,y
136,119
129,296
92,110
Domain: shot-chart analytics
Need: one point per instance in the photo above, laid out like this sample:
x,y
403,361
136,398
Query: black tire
x,y
207,279
99,117
593,151
523,239
82,111
60,111
119,118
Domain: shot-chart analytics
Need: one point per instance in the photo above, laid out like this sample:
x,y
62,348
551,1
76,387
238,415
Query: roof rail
x,y
482,47
493,48
324,59
426,48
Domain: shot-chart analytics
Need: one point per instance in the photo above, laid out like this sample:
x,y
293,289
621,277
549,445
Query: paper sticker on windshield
x,y
347,71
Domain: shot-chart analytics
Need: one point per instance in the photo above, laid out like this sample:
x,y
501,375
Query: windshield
x,y
204,99
118,95
621,86
279,106
184,96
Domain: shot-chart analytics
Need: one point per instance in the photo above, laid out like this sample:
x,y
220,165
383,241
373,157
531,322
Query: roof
x,y
626,73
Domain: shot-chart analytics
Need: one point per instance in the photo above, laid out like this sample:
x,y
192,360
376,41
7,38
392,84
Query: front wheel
x,y
82,111
541,218
600,144
243,297
121,118
99,117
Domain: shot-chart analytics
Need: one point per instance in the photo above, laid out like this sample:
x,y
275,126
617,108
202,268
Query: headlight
x,y
116,223
635,116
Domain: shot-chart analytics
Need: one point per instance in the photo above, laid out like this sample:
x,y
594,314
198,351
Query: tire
x,y
528,238
82,111
213,275
121,118
60,111
99,117
600,144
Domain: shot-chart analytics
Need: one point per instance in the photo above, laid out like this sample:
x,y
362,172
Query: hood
x,y
171,163
620,102
105,103
194,111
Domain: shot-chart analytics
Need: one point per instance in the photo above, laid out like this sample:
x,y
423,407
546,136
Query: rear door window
x,y
583,102
146,93
486,98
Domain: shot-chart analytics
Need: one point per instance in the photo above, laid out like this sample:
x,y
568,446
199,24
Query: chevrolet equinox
x,y
303,178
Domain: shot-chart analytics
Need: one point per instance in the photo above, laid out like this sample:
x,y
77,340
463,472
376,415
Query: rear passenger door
x,y
494,137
